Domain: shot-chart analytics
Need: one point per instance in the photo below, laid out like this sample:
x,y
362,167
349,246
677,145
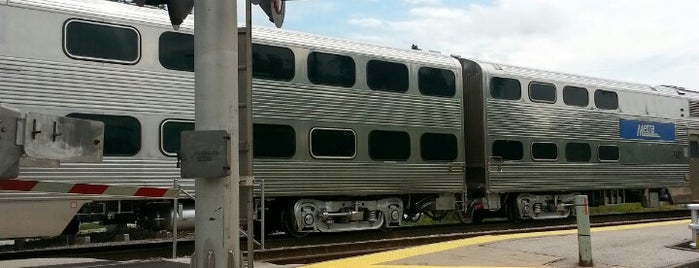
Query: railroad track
x,y
320,247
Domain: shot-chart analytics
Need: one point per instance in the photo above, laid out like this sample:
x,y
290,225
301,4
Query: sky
x,y
643,41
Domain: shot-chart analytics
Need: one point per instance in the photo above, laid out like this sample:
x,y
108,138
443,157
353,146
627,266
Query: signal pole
x,y
217,242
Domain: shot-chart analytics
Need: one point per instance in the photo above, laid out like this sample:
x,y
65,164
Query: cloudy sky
x,y
645,41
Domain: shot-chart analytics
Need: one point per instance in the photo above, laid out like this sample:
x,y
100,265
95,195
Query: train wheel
x,y
512,210
384,225
289,224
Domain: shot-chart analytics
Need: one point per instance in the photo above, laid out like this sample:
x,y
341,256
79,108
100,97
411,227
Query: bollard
x,y
584,242
694,210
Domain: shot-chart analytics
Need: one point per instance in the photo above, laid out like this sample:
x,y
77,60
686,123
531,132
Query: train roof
x,y
581,80
130,14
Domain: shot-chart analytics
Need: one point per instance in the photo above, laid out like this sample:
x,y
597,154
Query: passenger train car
x,y
347,135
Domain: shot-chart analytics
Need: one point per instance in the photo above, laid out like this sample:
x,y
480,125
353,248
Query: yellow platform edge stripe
x,y
374,260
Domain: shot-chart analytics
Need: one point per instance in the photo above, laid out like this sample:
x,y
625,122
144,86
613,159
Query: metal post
x,y
584,242
175,215
263,212
245,96
694,210
217,242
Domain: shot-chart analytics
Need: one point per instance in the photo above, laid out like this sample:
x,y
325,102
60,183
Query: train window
x,y
331,69
578,152
170,132
608,153
505,88
176,51
436,82
122,134
97,41
607,100
694,149
333,143
387,76
389,145
508,150
438,147
575,96
271,62
544,151
273,141
542,92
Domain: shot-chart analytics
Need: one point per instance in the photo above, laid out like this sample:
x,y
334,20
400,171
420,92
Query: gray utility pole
x,y
216,241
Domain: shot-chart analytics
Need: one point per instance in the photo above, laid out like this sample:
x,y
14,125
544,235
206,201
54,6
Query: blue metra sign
x,y
645,130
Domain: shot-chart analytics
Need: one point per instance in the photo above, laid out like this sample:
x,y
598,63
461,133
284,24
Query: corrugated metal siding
x,y
79,86
536,120
275,100
693,108
555,123
291,178
519,176
72,86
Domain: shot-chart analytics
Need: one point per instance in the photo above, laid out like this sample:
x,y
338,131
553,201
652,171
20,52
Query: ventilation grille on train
x,y
694,108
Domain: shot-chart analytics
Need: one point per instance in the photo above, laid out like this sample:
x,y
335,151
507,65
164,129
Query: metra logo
x,y
647,130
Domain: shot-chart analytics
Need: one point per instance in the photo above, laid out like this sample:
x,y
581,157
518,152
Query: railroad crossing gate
x,y
44,140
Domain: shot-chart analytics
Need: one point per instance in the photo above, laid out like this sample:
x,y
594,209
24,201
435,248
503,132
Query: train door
x,y
694,165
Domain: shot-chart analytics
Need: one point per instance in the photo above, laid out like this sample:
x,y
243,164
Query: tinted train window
x,y
333,143
608,153
97,41
544,151
387,76
578,152
694,149
122,134
438,147
575,96
270,62
542,92
389,145
176,51
607,100
505,88
273,141
170,132
331,69
508,150
436,82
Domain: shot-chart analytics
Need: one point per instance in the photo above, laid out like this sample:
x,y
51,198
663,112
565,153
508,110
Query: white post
x,y
217,242
584,241
694,209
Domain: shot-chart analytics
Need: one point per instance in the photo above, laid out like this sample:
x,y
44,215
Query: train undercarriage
x,y
302,216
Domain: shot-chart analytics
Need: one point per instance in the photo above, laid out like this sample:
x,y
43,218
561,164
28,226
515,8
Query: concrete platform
x,y
94,263
637,245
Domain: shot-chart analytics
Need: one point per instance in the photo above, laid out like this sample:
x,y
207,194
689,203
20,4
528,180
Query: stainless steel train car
x,y
535,138
350,133
347,135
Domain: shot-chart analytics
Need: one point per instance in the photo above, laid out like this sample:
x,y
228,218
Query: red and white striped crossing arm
x,y
84,188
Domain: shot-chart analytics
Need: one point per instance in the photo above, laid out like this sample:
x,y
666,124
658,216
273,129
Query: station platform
x,y
634,245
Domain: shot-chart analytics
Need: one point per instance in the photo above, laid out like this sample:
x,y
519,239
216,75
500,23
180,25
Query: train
x,y
346,135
